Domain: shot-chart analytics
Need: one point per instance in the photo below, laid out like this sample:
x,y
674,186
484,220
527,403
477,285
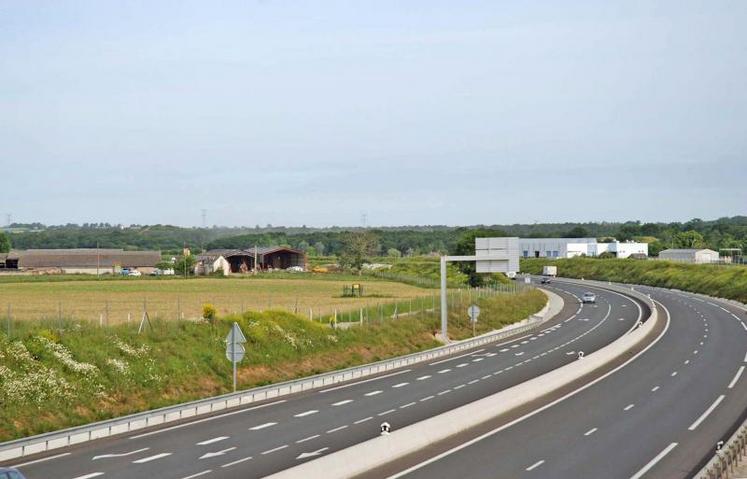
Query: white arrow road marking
x,y
318,452
152,458
262,426
88,476
211,441
105,456
208,455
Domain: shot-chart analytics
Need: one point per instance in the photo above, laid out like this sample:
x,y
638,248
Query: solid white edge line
x,y
539,410
365,381
199,421
708,411
44,459
736,377
653,461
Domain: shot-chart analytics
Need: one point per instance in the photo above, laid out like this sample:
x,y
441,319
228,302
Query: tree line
x,y
404,241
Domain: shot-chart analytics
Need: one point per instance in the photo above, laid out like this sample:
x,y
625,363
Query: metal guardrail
x,y
67,437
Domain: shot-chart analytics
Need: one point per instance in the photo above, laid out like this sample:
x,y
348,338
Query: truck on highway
x,y
550,271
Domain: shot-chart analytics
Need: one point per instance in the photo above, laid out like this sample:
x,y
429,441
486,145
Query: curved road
x,y
659,416
265,438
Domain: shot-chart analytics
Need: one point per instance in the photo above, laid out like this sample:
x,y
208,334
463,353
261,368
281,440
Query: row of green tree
x,y
405,241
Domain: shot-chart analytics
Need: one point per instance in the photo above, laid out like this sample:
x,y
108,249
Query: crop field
x,y
120,301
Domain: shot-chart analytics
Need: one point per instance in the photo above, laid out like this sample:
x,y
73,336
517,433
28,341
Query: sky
x,y
415,112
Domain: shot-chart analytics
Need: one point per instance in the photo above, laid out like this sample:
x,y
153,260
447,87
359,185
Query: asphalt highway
x,y
660,415
268,437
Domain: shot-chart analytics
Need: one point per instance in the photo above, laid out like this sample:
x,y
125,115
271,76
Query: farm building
x,y
243,260
690,255
81,260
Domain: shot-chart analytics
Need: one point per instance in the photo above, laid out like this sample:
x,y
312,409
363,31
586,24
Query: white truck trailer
x,y
550,271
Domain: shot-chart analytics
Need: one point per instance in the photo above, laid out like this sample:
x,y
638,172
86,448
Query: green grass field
x,y
57,374
111,301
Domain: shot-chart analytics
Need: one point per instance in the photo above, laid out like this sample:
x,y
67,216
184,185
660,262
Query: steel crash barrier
x,y
76,435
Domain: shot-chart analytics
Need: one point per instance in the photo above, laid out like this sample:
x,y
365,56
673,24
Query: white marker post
x,y
235,348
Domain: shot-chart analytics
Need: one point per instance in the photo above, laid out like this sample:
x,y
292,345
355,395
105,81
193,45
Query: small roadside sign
x,y
235,348
473,312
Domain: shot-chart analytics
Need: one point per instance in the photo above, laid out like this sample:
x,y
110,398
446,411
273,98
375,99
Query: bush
x,y
208,312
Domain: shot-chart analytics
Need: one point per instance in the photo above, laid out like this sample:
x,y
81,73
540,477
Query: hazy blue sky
x,y
414,112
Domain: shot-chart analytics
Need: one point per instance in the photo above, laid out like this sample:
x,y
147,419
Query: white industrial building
x,y
571,247
690,255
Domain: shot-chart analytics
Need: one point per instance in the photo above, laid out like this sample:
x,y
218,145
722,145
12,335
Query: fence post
x,y
9,311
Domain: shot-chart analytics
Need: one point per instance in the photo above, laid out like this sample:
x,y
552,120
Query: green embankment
x,y
724,281
55,375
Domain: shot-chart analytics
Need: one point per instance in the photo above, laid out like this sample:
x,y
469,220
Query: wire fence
x,y
17,315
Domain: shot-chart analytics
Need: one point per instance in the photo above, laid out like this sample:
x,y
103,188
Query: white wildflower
x,y
119,365
66,358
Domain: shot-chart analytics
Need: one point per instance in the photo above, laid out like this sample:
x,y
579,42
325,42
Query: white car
x,y
589,298
134,273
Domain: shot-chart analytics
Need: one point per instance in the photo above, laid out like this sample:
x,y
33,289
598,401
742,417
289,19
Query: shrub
x,y
208,312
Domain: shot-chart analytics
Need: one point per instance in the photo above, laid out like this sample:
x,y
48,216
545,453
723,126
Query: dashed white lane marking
x,y
340,403
457,357
208,471
444,371
535,465
687,361
533,338
461,365
365,381
473,381
400,385
262,426
503,350
151,458
695,351
628,407
238,461
447,391
745,357
708,411
674,374
88,476
45,459
360,421
407,405
744,325
477,360
427,398
211,418
208,455
337,429
654,389
590,432
486,376
308,438
524,342
211,441
386,412
373,393
124,454
736,377
423,378
459,387
520,354
653,461
515,346
275,449
306,413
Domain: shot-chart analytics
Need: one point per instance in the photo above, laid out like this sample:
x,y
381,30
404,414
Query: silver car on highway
x,y
589,297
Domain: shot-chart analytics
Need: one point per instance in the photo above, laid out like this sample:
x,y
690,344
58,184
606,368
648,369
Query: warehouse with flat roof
x,y
81,260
